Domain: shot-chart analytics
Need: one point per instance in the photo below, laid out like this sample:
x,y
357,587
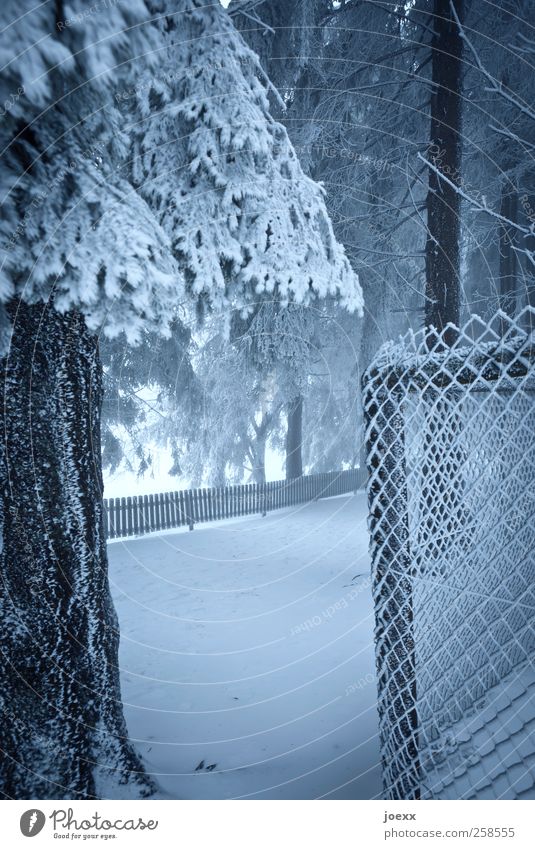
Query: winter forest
x,y
267,467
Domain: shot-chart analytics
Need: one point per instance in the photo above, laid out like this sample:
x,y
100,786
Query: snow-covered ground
x,y
247,655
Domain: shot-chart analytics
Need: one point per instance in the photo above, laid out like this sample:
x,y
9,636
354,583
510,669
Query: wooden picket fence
x,y
143,514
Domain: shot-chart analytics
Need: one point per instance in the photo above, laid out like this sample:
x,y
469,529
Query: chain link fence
x,y
451,463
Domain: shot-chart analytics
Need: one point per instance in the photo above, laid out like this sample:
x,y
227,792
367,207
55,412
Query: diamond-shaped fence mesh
x,y
451,464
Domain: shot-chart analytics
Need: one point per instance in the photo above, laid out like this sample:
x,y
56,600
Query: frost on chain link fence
x,y
451,464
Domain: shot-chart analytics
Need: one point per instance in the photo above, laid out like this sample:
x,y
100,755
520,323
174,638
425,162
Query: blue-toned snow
x,y
248,645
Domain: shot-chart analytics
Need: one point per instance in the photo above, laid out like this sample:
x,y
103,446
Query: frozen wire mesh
x,y
451,463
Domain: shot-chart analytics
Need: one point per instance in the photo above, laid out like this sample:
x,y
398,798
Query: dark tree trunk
x,y
257,451
294,439
442,307
443,202
527,205
508,267
62,732
259,459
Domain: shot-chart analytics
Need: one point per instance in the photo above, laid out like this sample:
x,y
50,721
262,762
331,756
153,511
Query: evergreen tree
x,y
103,232
80,249
208,150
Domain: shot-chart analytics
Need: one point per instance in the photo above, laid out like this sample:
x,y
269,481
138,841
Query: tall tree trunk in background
x,y
258,447
443,202
62,721
259,458
508,269
527,270
294,439
442,307
508,266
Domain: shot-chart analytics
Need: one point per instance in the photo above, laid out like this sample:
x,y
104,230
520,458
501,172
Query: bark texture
x,y
443,202
62,731
258,451
508,263
294,439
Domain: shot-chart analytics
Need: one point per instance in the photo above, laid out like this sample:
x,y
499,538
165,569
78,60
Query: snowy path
x,y
248,645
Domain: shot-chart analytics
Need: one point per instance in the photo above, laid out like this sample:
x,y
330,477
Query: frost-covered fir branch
x,y
222,175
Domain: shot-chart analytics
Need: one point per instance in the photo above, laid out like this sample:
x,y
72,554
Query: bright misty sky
x,y
157,479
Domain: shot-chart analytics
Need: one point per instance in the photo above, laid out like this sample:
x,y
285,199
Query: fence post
x,y
209,506
175,513
167,509
208,513
159,511
115,519
105,517
141,511
135,524
188,502
124,526
393,587
144,514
